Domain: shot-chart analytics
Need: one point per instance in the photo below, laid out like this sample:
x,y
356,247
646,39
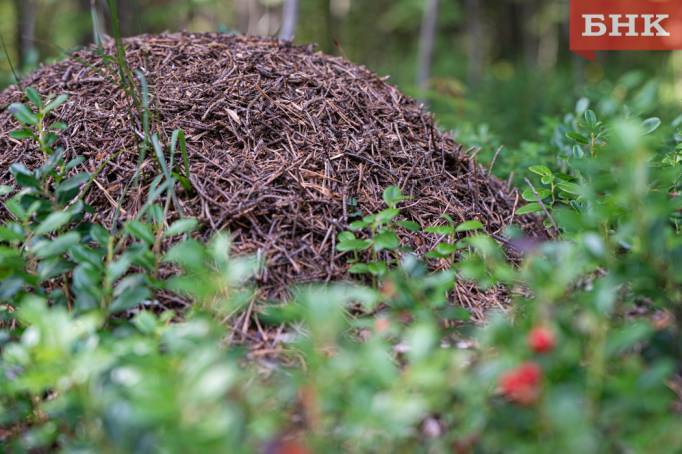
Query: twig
x,y
544,208
492,163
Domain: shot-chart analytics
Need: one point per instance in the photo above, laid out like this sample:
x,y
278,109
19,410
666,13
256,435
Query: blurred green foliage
x,y
587,358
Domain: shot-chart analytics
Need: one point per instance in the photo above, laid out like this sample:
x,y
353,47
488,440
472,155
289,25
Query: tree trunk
x,y
427,39
289,20
475,41
94,9
548,48
329,39
252,18
529,34
127,16
255,15
25,30
241,14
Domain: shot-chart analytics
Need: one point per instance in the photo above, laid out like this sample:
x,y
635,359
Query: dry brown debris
x,y
282,141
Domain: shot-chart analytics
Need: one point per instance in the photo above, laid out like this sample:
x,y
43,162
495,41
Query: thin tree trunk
x,y
25,29
530,42
577,62
329,38
127,16
475,41
289,20
241,9
254,17
427,39
94,9
548,48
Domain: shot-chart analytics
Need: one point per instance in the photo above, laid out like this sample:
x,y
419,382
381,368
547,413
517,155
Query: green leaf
x,y
155,214
54,160
455,313
386,215
10,287
179,137
377,268
440,229
576,136
468,226
386,240
118,268
53,267
392,196
87,285
529,196
5,189
129,299
651,124
11,259
577,151
590,117
81,253
410,226
51,139
15,208
543,171
529,208
445,249
23,114
23,176
11,232
53,222
358,268
129,293
189,254
158,151
51,248
345,236
58,101
570,188
72,164
181,226
140,231
421,340
157,187
621,339
146,322
353,245
33,96
358,225
99,234
21,134
74,182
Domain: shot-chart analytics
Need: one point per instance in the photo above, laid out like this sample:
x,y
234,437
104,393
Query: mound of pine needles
x,y
286,147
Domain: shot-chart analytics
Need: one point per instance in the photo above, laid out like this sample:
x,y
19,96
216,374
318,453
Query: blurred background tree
x,y
504,63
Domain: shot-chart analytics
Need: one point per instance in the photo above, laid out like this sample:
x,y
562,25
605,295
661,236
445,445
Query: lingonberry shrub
x,y
90,362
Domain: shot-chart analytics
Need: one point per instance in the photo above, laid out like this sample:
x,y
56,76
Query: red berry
x,y
522,385
291,447
541,340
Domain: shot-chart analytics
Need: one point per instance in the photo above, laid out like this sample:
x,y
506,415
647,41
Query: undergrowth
x,y
586,358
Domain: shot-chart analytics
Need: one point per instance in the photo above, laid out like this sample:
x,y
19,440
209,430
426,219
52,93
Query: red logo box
x,y
625,25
